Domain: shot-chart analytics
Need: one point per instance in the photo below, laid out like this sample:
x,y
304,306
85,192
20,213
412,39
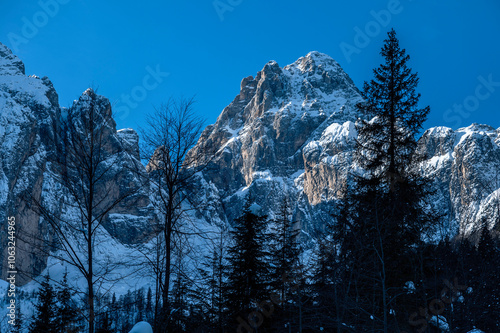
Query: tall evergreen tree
x,y
45,314
105,324
128,306
178,319
485,299
387,212
386,150
114,311
248,276
360,233
387,141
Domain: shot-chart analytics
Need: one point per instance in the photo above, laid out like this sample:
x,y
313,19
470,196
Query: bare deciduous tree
x,y
85,168
172,131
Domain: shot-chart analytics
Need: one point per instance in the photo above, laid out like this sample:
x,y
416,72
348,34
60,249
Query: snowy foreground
x,y
144,327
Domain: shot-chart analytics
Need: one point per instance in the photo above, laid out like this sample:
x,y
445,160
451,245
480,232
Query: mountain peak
x,y
315,60
10,64
263,132
21,88
475,127
318,56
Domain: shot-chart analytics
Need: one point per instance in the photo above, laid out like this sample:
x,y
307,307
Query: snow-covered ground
x,y
142,327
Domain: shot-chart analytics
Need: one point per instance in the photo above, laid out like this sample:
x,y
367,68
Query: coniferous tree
x,y
113,311
105,324
387,141
178,319
125,309
387,214
386,149
44,319
139,304
285,265
284,251
359,233
213,275
248,276
485,299
325,286
67,312
128,303
486,247
149,306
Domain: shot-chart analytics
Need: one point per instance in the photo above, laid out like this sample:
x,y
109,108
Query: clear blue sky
x,y
208,46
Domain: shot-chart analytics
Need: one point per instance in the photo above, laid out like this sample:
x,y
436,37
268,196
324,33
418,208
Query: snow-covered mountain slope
x,y
465,167
30,128
289,133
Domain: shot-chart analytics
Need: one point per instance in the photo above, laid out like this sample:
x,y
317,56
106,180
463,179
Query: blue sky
x,y
150,50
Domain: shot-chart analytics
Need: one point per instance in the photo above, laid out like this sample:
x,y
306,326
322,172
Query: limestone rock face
x,y
287,134
130,140
464,165
29,110
131,220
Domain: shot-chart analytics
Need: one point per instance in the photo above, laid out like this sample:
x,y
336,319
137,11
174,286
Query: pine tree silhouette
x,y
386,213
248,276
486,248
67,312
44,319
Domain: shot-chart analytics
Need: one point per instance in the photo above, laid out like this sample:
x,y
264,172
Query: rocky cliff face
x,y
464,165
289,133
30,119
130,221
286,134
29,109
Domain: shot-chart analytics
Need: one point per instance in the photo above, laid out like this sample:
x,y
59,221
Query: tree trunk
x,y
168,262
91,304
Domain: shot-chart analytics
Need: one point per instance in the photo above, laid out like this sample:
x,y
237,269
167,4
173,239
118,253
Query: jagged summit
x,y
309,62
475,127
22,88
313,60
9,63
101,103
262,134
